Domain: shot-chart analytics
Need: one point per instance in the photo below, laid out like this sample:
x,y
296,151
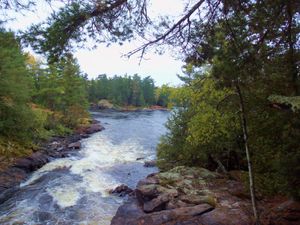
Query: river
x,y
74,190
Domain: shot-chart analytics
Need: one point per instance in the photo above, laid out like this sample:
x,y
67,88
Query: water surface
x,y
74,190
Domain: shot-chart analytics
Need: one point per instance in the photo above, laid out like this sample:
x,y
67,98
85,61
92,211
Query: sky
x,y
109,60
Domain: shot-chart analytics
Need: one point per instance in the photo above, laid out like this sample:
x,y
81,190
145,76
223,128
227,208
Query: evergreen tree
x,y
15,82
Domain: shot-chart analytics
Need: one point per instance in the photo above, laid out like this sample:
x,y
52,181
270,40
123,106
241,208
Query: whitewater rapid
x,y
74,190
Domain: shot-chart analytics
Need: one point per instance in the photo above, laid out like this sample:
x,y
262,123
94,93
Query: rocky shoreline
x,y
56,147
105,105
190,196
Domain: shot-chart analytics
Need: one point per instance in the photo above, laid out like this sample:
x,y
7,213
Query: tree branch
x,y
177,25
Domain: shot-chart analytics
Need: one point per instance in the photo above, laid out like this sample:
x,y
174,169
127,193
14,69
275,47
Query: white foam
x,y
65,196
56,164
99,154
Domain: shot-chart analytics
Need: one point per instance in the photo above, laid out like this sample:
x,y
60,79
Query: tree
x,y
15,112
148,90
105,21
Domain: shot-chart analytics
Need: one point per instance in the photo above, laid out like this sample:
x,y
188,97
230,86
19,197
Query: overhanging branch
x,y
166,35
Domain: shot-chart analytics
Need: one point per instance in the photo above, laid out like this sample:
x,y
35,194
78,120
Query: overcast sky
x,y
109,60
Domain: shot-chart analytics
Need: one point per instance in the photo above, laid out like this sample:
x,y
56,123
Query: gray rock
x,y
151,163
158,203
121,190
75,145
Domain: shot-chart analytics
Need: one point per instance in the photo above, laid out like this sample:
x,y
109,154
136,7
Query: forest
x,y
40,100
131,91
239,107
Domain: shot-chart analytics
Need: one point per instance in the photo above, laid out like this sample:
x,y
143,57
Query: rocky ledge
x,y
189,196
57,147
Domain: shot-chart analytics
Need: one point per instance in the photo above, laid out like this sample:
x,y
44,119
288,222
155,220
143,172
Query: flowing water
x,y
74,190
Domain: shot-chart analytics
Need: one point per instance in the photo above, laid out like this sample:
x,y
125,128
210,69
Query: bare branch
x,y
167,34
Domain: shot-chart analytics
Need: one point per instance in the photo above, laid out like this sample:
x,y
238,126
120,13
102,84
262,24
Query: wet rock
x,y
7,194
73,138
42,216
24,163
54,145
84,135
75,145
151,163
38,159
148,180
94,128
139,158
31,163
121,190
45,201
11,177
158,203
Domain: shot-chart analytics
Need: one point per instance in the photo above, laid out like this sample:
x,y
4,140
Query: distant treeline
x,y
129,90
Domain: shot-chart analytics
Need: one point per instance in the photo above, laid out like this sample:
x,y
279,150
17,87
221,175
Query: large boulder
x,y
11,177
31,163
159,203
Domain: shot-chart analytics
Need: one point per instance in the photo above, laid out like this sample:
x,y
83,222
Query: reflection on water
x,y
74,190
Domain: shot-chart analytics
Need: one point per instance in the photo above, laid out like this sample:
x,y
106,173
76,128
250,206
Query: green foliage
x,y
167,96
201,130
173,148
36,101
148,90
62,88
15,112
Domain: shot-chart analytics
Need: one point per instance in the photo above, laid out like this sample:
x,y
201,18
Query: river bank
x,y
185,195
12,174
107,105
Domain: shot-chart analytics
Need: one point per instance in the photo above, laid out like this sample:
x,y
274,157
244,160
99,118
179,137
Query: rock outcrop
x,y
186,195
281,212
190,196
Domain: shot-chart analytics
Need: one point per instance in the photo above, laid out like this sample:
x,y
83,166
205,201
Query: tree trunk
x,y
245,137
291,54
